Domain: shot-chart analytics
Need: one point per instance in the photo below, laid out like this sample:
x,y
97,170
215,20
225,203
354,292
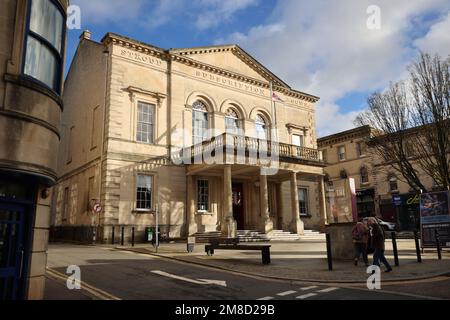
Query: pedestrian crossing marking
x,y
287,293
328,290
266,298
306,296
309,288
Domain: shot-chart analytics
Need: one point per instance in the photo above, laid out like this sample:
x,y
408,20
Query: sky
x,y
322,47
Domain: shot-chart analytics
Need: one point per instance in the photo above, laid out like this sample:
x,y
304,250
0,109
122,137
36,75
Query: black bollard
x,y
394,246
438,245
329,255
132,237
122,237
416,238
113,235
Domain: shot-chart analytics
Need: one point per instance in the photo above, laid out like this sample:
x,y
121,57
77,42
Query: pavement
x,y
306,261
109,273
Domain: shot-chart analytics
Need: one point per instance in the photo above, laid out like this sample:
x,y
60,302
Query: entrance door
x,y
11,251
238,205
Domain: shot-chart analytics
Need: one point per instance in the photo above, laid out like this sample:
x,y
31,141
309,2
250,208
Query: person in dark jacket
x,y
377,243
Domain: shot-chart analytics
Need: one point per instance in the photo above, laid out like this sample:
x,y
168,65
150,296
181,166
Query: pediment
x,y
231,58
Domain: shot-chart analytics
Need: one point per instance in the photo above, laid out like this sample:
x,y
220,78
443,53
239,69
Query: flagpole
x,y
274,113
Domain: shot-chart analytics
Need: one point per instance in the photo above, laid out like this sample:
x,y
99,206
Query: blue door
x,y
12,251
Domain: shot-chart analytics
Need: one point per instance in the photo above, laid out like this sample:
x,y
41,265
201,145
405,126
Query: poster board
x,y
435,217
342,202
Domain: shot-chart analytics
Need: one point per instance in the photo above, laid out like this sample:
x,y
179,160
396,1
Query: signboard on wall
x,y
435,218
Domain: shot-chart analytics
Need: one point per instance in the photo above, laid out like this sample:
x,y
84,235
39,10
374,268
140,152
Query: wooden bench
x,y
233,244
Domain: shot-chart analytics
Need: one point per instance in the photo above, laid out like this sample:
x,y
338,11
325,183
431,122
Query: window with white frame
x,y
303,201
232,122
200,122
261,128
144,187
202,195
341,153
361,149
45,43
297,140
145,124
393,183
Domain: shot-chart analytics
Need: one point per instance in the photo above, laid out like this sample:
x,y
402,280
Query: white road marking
x,y
306,296
309,288
287,293
266,299
328,290
198,281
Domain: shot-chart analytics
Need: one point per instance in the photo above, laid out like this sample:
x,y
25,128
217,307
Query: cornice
x,y
181,56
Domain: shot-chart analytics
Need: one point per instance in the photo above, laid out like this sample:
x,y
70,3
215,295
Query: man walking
x,y
378,240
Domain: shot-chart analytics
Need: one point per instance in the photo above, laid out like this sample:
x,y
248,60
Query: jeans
x,y
361,249
378,256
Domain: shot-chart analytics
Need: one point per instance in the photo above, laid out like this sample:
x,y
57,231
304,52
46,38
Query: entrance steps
x,y
280,235
311,235
252,236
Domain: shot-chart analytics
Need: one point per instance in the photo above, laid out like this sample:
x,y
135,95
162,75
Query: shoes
x,y
356,263
389,270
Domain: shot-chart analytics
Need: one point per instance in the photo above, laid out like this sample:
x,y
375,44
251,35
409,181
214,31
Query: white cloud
x,y
437,40
325,48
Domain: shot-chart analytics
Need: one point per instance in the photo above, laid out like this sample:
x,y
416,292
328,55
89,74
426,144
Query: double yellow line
x,y
97,293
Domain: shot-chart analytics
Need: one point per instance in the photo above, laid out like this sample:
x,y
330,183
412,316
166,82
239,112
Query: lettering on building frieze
x,y
140,57
231,83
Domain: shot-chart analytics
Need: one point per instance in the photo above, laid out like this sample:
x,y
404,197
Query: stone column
x,y
280,207
229,227
323,203
191,190
297,226
267,225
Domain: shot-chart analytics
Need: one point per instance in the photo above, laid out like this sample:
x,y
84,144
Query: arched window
x,y
393,183
364,174
261,128
232,122
200,122
343,174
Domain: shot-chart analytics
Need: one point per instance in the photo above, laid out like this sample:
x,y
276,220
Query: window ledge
x,y
204,213
306,216
143,211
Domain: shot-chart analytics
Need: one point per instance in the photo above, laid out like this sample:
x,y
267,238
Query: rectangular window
x,y
297,140
325,155
144,188
361,149
145,124
71,144
341,153
65,213
90,195
303,201
96,124
44,44
203,195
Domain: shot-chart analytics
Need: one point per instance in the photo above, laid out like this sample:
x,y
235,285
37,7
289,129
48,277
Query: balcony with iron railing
x,y
253,147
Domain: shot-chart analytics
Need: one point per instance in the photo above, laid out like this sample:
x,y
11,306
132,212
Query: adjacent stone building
x,y
32,45
138,118
347,155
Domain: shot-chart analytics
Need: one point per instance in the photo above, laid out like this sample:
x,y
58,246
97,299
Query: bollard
x,y
329,255
438,245
394,246
113,235
122,237
132,237
416,238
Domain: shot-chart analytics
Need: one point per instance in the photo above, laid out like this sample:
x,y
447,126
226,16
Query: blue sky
x,y
322,47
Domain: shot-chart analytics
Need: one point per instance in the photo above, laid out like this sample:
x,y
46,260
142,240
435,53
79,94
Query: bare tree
x,y
412,123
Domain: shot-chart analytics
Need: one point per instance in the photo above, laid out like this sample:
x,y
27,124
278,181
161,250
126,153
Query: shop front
x,y
365,201
408,211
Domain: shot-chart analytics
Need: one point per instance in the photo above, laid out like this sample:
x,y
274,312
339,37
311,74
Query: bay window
x,y
44,43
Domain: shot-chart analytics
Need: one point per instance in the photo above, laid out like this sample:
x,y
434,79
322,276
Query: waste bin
x,y
190,244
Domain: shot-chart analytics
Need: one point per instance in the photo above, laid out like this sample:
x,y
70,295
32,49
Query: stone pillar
x,y
280,208
229,227
297,226
267,224
191,191
323,203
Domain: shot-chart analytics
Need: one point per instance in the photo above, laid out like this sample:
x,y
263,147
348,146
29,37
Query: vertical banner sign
x,y
435,217
352,186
